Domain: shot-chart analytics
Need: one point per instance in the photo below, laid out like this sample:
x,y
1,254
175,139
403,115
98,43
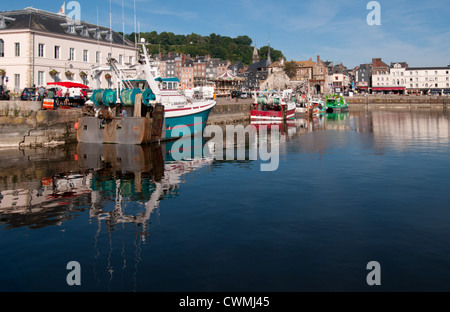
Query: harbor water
x,y
346,190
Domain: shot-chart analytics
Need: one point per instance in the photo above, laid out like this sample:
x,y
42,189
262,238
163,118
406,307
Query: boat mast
x,y
148,74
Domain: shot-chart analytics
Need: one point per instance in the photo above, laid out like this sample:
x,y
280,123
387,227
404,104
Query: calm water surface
x,y
349,189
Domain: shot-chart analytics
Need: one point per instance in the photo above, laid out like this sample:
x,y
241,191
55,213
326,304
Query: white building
x,y
390,79
428,80
37,47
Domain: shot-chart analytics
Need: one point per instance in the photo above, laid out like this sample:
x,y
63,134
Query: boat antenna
x,y
135,35
123,32
110,26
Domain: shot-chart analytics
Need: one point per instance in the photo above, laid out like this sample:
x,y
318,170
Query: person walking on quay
x,y
41,93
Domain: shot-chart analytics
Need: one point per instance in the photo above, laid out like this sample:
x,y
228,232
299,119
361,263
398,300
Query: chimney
x,y
318,58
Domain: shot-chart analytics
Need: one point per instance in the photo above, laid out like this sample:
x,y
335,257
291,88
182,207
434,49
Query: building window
x,y
57,56
120,59
71,54
41,50
85,55
17,49
17,82
131,60
40,78
109,56
97,57
2,48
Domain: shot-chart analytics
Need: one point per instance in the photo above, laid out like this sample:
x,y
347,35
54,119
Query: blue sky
x,y
413,31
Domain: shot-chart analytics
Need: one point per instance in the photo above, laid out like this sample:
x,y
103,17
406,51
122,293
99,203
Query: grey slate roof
x,y
38,20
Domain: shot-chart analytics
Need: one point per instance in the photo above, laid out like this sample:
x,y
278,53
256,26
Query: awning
x,y
68,84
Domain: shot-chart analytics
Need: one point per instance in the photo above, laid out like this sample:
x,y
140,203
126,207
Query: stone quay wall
x,y
25,124
397,102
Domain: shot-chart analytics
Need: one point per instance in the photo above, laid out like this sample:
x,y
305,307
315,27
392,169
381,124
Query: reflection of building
x,y
40,47
402,128
103,173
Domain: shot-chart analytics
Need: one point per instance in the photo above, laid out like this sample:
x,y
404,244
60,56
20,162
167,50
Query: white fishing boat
x,y
143,94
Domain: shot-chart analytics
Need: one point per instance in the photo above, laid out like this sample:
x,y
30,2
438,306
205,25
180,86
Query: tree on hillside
x,y
274,54
223,47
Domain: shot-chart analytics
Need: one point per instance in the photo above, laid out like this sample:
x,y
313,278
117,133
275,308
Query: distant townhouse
x,y
187,74
211,69
363,78
37,47
391,81
304,70
427,80
200,79
222,67
255,74
258,71
318,83
339,79
236,68
381,77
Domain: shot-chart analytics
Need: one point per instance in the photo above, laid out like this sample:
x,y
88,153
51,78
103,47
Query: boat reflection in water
x,y
101,174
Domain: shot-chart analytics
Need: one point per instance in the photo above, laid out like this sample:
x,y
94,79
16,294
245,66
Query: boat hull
x,y
125,130
338,109
271,115
179,123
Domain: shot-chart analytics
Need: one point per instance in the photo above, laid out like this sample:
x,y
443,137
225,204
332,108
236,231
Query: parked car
x,y
244,95
4,94
235,94
28,94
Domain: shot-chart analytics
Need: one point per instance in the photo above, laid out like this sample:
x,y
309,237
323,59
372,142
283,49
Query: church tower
x,y
255,57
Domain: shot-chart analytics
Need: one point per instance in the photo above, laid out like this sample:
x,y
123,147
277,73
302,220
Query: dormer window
x,y
84,31
70,28
107,34
95,33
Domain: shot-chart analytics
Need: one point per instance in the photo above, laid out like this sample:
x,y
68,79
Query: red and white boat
x,y
273,107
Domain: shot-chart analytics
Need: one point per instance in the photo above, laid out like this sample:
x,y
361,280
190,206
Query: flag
x,y
62,10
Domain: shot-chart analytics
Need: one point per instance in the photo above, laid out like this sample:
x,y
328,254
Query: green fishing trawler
x,y
336,104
